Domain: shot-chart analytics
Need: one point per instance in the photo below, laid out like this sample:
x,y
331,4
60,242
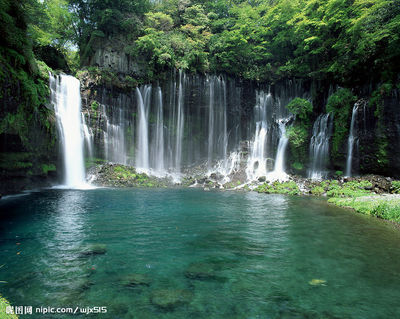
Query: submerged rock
x,y
134,280
202,271
168,299
94,249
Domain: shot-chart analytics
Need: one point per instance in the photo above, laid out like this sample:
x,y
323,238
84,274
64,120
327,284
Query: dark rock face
x,y
378,134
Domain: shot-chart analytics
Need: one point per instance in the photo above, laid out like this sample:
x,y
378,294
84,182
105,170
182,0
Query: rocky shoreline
x,y
369,194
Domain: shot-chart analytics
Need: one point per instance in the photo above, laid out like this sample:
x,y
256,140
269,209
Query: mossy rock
x,y
169,299
93,250
134,280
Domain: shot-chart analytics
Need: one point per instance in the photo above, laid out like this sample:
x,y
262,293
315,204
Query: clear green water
x,y
224,254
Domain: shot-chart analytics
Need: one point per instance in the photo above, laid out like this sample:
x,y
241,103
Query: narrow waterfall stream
x,y
351,142
279,168
319,146
66,98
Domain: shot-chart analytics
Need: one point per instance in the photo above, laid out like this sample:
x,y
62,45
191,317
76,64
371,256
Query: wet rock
x,y
168,299
216,176
262,179
134,280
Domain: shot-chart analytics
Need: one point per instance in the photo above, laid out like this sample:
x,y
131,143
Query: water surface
x,y
225,254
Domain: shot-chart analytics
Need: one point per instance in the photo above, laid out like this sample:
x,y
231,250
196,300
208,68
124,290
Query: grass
x,y
385,207
289,188
3,305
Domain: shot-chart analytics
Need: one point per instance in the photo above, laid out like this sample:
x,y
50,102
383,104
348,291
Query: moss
x,y
317,190
340,104
377,101
44,70
95,105
349,189
46,168
395,188
16,161
289,188
3,307
298,136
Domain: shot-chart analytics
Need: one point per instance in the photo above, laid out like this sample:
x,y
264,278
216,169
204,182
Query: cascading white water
x,y
142,156
217,142
157,157
279,169
351,141
257,161
211,125
179,123
114,138
66,98
88,134
188,128
319,146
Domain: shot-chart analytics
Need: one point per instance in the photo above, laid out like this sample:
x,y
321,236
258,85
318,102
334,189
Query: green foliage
x,y
299,132
348,189
24,94
340,104
94,106
46,168
298,135
15,161
339,173
289,188
301,108
395,187
298,166
384,207
318,190
376,101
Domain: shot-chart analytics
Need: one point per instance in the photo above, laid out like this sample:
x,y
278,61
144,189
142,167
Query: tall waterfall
x,y
270,138
257,162
142,156
157,152
179,123
352,140
66,98
279,168
319,146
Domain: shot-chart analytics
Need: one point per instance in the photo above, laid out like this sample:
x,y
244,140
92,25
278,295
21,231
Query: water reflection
x,y
67,229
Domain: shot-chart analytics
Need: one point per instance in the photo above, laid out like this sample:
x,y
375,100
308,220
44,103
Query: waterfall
x,y
279,169
142,152
114,138
88,134
194,124
66,98
257,161
350,142
319,146
157,158
179,124
217,142
211,125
